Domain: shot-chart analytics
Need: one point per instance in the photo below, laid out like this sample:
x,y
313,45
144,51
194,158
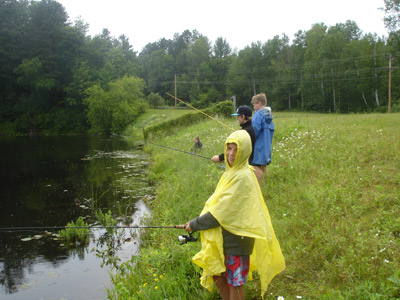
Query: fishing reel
x,y
184,239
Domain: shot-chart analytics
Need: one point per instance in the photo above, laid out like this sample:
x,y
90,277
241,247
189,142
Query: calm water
x,y
50,181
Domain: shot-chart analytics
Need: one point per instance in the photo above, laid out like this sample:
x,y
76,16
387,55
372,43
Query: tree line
x,y
55,77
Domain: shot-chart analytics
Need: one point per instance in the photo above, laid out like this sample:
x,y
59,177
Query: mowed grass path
x,y
332,190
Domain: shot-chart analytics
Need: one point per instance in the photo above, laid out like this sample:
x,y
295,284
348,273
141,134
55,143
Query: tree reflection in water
x,y
49,181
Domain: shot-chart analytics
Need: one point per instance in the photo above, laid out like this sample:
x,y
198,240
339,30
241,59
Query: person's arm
x,y
215,158
218,158
255,122
204,222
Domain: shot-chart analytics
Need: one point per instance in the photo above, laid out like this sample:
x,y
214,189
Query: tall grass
x,y
332,190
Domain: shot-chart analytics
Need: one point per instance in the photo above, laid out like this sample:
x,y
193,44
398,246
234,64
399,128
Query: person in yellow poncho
x,y
236,233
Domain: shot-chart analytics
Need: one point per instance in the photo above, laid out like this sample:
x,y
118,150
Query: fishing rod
x,y
32,228
187,152
183,239
200,111
191,153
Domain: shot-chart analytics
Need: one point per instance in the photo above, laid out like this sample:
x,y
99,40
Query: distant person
x,y
32,132
235,227
243,114
197,144
264,130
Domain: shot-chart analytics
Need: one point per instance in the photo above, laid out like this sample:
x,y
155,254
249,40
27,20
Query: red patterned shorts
x,y
237,269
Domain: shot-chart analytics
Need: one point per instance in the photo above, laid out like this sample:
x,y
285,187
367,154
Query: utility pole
x,y
234,103
175,91
390,81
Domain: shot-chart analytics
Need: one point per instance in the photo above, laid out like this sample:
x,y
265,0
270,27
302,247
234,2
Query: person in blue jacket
x,y
264,129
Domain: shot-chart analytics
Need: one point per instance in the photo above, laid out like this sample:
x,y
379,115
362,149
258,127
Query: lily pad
x,y
52,274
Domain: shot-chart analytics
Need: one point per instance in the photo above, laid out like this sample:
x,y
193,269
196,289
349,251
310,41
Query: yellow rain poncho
x,y
238,205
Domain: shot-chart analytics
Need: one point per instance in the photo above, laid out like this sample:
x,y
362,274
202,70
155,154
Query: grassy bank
x,y
153,117
333,192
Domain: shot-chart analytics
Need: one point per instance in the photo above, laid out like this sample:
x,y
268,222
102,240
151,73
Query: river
x,y
50,181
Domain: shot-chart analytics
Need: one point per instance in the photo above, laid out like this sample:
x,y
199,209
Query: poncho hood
x,y
238,205
266,114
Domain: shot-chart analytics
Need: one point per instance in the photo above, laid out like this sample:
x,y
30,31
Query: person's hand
x,y
187,227
215,158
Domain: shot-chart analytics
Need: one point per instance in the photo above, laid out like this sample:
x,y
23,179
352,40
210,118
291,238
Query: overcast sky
x,y
239,22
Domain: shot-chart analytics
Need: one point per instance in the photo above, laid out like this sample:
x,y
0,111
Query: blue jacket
x,y
264,129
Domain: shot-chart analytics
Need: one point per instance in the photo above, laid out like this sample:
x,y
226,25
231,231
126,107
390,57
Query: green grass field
x,y
333,192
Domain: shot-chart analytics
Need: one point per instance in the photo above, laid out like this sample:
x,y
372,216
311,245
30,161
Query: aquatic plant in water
x,y
75,232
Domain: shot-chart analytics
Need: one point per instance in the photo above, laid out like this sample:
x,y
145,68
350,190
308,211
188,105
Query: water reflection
x,y
50,181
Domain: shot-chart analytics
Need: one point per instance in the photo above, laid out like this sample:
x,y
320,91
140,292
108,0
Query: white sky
x,y
239,22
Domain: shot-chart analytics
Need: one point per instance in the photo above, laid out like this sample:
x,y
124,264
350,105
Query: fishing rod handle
x,y
180,226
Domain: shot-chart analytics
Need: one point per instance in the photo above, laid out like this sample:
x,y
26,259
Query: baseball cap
x,y
243,110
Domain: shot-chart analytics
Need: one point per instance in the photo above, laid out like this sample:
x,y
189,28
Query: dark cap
x,y
243,110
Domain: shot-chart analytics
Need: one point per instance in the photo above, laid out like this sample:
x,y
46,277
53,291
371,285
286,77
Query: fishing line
x,y
187,152
201,112
183,239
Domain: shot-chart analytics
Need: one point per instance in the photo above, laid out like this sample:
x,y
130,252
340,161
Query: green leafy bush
x,y
111,110
155,100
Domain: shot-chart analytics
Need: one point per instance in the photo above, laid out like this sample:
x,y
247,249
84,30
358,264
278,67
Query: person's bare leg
x,y
259,174
223,287
236,292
